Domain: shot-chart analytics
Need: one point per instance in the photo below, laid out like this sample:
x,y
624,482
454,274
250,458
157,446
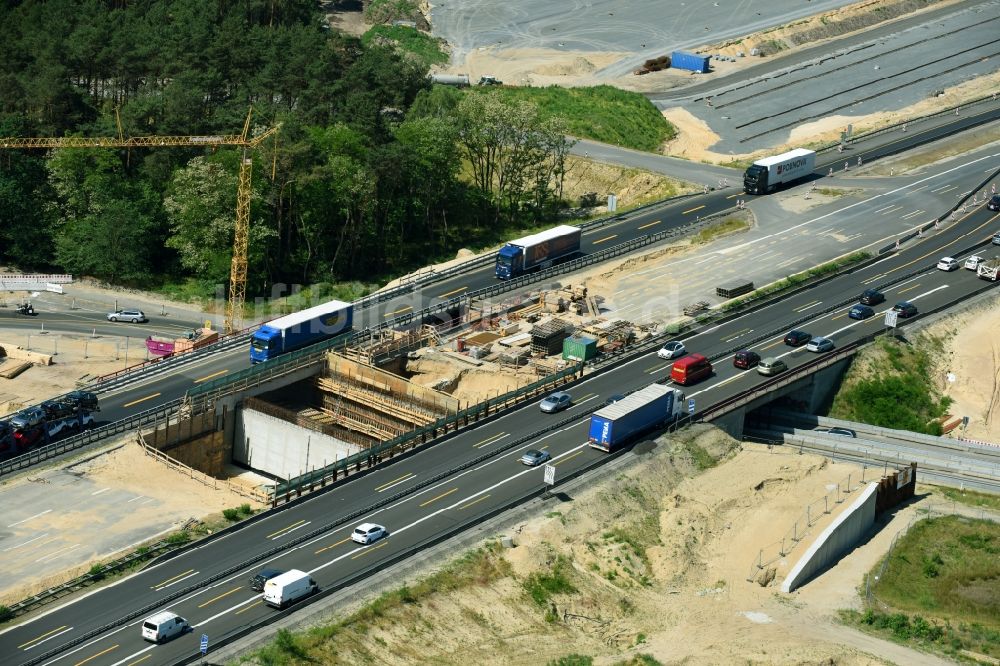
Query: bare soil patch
x,y
652,560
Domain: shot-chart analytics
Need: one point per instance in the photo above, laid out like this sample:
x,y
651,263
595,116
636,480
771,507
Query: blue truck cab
x,y
300,329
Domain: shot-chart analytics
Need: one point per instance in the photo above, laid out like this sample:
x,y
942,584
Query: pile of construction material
x,y
654,65
570,299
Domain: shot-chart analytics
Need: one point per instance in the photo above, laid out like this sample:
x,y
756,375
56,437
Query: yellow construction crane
x,y
238,271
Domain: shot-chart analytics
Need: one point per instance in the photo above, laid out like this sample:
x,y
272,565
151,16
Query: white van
x,y
163,626
288,588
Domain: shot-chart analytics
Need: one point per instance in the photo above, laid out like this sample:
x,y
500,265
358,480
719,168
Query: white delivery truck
x,y
288,588
767,174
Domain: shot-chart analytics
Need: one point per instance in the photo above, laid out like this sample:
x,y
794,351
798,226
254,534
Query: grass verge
x,y
601,113
726,226
797,279
942,589
425,48
895,390
971,498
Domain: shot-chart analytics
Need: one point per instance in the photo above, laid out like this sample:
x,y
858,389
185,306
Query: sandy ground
x,y
968,367
137,499
679,593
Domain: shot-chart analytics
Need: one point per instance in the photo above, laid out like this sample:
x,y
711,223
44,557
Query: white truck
x,y
537,251
765,175
288,588
988,269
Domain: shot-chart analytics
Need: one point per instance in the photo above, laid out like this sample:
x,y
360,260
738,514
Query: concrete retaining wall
x,y
838,538
277,447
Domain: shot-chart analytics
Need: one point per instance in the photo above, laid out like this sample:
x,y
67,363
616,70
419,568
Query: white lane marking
x,y
393,485
132,656
160,588
102,490
57,553
25,543
31,517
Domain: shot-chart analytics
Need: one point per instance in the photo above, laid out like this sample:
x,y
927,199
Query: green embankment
x,y
942,588
890,386
601,113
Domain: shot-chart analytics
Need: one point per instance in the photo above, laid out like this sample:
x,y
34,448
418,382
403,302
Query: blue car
x,y
861,312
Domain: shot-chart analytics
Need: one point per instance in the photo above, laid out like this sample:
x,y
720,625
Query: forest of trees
x,y
373,172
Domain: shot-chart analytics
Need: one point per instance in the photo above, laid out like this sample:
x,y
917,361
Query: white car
x,y
673,349
366,533
972,263
947,264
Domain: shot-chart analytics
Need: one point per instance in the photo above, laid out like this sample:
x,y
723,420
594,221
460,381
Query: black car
x,y
258,581
860,312
746,359
872,297
797,338
994,202
82,400
56,409
905,309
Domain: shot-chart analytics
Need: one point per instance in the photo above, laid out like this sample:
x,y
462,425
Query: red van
x,y
690,369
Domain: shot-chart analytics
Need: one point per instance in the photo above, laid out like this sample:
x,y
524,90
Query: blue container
x,y
690,61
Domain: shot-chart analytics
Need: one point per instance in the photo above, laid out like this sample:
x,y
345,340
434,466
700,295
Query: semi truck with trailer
x,y
537,251
300,329
766,175
42,424
988,270
618,423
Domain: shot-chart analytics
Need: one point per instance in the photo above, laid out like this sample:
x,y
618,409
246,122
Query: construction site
x,y
360,404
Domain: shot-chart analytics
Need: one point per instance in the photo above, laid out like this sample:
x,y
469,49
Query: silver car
x,y
820,345
556,402
134,316
771,366
533,457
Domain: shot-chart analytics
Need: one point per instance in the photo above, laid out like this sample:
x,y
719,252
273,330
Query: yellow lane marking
x,y
475,501
570,456
333,545
445,494
113,647
396,312
136,402
489,440
807,306
693,209
207,377
224,594
368,550
941,249
453,291
38,638
772,345
733,336
903,291
285,529
733,196
646,226
589,395
840,316
133,663
656,368
170,580
386,485
606,238
244,610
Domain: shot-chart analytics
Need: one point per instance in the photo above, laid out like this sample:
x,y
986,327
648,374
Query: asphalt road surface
x,y
319,544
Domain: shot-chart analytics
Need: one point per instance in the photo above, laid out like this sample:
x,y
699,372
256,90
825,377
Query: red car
x,y
25,439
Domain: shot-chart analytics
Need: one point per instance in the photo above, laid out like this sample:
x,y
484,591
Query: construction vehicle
x,y
537,251
489,80
988,270
767,174
300,329
241,232
26,308
162,346
638,413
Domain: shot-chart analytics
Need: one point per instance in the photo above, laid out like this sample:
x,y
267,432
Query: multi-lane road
x,y
314,535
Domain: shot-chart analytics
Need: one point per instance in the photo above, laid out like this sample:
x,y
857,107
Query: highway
x,y
315,532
